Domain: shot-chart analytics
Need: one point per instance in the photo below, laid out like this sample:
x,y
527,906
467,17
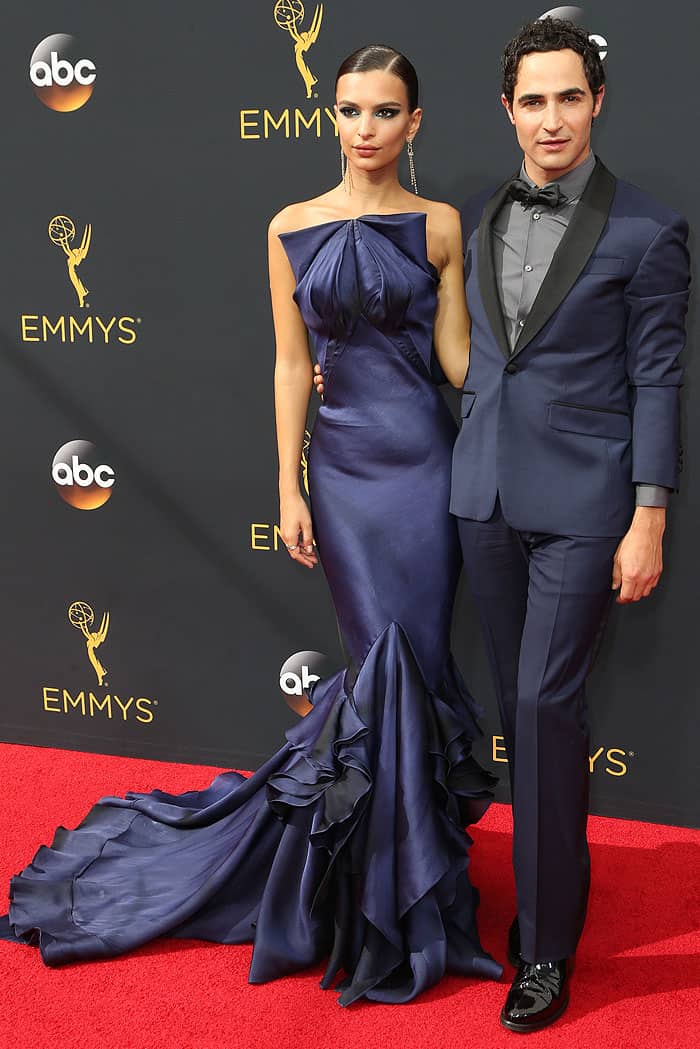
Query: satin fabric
x,y
348,844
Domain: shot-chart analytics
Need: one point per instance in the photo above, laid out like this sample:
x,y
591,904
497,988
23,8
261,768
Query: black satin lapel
x,y
487,275
573,252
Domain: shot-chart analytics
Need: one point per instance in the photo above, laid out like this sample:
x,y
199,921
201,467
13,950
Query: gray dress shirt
x,y
525,238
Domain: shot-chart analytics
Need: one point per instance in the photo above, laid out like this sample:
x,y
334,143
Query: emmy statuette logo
x,y
76,699
62,234
82,327
305,460
81,616
289,15
265,121
62,78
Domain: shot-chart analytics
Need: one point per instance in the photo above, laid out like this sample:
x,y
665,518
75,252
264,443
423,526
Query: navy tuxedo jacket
x,y
587,403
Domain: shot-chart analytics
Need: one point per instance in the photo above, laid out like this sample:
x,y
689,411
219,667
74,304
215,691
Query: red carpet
x,y
636,982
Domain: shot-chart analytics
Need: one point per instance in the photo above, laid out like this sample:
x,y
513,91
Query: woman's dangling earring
x,y
345,172
411,165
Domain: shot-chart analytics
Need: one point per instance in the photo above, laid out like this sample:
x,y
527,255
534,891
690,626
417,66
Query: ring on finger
x,y
295,547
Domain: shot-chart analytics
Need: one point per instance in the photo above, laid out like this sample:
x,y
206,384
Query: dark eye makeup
x,y
383,112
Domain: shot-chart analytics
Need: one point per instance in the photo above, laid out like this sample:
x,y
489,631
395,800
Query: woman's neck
x,y
372,191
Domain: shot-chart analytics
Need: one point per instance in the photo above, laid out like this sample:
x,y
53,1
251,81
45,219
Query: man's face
x,y
552,112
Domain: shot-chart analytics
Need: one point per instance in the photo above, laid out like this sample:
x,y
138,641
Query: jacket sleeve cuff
x,y
652,495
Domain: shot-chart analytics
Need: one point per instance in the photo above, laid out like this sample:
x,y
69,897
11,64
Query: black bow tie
x,y
528,195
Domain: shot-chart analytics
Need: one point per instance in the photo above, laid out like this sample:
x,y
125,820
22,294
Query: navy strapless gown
x,y
349,843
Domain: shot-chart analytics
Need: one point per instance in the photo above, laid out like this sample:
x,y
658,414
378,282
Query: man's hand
x,y
318,380
638,560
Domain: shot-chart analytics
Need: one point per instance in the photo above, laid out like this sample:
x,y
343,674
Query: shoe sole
x,y
519,1028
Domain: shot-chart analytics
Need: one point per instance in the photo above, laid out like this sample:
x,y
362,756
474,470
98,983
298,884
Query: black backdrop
x,y
197,131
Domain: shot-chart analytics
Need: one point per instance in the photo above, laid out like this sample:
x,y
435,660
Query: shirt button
x,y
521,324
536,216
528,269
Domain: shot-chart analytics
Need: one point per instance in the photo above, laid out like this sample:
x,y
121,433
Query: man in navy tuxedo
x,y
577,285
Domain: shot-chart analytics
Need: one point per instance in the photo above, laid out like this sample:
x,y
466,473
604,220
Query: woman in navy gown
x,y
349,843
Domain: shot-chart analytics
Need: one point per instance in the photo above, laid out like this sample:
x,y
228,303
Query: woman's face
x,y
374,121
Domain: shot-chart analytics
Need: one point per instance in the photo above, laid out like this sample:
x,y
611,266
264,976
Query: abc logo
x,y
576,14
81,479
298,673
63,80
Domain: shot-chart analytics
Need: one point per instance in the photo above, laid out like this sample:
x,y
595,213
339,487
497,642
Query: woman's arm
x,y
452,323
292,390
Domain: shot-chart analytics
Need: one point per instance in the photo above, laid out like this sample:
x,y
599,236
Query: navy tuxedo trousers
x,y
542,601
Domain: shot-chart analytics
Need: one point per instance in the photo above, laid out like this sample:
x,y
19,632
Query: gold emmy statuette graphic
x,y
305,460
289,14
81,616
62,233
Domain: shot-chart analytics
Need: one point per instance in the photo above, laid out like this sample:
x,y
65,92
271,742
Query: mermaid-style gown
x,y
348,844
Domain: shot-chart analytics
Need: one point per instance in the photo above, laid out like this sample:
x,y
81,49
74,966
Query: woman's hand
x,y
296,530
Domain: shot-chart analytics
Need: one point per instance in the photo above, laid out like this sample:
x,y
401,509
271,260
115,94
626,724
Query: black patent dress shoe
x,y
513,948
538,996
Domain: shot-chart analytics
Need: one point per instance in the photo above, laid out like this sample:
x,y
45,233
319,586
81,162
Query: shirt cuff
x,y
652,495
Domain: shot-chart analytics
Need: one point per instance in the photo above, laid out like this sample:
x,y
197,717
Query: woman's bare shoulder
x,y
442,218
304,213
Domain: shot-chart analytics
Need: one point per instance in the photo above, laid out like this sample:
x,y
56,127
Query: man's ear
x,y
508,108
598,101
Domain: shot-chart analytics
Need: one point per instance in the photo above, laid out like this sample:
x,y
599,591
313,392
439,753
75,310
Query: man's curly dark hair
x,y
551,34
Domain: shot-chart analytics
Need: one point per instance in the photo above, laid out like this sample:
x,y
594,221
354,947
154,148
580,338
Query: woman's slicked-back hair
x,y
386,60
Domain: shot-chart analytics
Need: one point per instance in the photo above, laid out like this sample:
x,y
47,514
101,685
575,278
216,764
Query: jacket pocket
x,y
468,398
594,422
601,265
